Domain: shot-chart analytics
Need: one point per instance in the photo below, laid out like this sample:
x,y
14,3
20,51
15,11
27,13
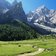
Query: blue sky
x,y
31,5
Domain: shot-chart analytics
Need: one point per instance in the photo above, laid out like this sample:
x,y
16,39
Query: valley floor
x,y
44,47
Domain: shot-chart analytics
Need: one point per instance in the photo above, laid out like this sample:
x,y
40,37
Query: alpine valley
x,y
27,34
16,25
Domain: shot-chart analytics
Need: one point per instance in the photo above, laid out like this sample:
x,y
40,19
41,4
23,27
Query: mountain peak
x,y
19,5
14,2
42,7
16,12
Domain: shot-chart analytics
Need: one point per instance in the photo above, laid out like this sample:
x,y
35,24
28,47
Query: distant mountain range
x,y
42,19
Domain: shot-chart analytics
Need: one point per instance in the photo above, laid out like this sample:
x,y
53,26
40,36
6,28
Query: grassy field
x,y
20,47
14,48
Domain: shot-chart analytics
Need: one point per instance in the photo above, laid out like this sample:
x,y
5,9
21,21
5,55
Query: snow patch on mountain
x,y
43,18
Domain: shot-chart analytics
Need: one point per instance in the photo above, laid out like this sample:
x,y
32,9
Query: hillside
x,y
16,31
43,19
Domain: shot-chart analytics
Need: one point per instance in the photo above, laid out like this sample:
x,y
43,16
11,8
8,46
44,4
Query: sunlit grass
x,y
13,48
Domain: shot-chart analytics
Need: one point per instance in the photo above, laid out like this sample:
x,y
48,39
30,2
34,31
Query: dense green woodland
x,y
16,31
19,31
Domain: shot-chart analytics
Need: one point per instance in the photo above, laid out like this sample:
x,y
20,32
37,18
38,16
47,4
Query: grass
x,y
12,48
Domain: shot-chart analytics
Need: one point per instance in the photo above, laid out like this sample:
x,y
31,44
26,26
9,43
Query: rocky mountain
x,y
43,18
14,2
13,24
15,12
4,6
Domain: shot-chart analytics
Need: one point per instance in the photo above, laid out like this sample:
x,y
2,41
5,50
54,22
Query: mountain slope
x,y
16,12
17,30
43,18
13,25
4,6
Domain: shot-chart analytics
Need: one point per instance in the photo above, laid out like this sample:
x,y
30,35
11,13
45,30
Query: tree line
x,y
10,32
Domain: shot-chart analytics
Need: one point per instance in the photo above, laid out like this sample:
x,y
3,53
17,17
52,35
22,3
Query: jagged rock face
x,y
4,6
14,2
16,12
43,18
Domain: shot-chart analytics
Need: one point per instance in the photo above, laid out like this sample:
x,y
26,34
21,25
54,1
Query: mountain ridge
x,y
16,12
43,18
13,25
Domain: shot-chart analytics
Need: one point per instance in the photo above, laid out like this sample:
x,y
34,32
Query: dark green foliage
x,y
16,31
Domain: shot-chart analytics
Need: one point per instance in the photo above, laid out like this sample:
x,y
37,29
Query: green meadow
x,y
14,48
